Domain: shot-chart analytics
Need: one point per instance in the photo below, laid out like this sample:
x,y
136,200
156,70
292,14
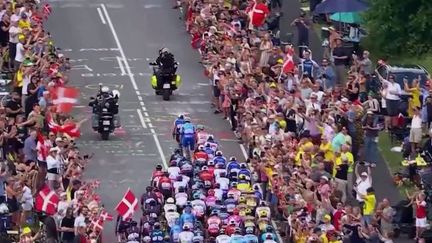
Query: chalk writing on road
x,y
92,75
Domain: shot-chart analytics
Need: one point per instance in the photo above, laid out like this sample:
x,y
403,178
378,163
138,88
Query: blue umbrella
x,y
337,6
349,18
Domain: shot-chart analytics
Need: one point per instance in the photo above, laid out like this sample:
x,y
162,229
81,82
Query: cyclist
x,y
188,137
178,123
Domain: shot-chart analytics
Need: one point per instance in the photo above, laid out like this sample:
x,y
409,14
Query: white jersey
x,y
218,193
223,182
173,172
181,198
178,184
217,172
223,239
171,218
168,206
186,237
199,207
202,138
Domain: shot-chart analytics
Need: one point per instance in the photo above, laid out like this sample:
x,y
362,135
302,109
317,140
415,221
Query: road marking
x,y
141,118
147,6
120,48
132,79
141,103
146,114
150,125
81,67
139,98
122,70
144,109
101,16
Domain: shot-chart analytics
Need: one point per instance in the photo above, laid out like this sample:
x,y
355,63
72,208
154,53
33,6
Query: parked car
x,y
410,72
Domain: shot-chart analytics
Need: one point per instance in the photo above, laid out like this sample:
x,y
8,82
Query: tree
x,y
400,27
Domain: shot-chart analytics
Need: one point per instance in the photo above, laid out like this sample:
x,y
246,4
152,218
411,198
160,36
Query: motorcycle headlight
x,y
107,104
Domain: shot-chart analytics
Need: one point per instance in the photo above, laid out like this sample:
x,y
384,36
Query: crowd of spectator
x,y
306,125
41,169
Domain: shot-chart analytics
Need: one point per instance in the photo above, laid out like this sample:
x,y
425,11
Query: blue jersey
x,y
157,236
188,130
233,165
175,231
219,160
187,218
178,123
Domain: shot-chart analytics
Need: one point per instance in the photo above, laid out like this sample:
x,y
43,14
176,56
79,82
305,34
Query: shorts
x,y
188,142
392,107
415,135
216,91
422,223
384,111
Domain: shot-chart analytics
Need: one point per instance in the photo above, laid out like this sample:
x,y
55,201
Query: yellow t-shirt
x,y
24,24
328,152
323,238
369,204
350,158
19,79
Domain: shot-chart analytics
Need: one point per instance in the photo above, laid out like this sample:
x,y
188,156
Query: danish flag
x,y
257,13
127,206
44,149
64,98
46,201
46,10
106,216
70,128
288,65
96,224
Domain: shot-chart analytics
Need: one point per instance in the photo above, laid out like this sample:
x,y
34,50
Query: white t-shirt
x,y
20,52
52,162
13,34
27,199
15,18
223,239
416,122
80,221
393,90
186,237
362,186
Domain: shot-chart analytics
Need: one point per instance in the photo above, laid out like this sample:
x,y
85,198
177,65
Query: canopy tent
x,y
349,18
341,6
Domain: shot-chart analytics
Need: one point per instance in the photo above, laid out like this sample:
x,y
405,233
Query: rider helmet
x,y
157,225
164,50
170,200
201,147
233,158
204,168
200,127
219,153
210,163
158,167
173,163
181,116
105,89
187,119
186,227
210,137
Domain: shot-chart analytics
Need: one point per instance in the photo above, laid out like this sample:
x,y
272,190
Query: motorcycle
x,y
168,83
105,118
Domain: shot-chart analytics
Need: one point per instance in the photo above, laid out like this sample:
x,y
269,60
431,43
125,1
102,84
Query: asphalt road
x,y
133,30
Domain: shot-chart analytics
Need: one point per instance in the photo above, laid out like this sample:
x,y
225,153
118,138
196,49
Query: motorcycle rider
x,y
166,63
105,99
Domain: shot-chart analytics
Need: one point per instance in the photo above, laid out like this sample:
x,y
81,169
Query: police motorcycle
x,y
164,79
105,108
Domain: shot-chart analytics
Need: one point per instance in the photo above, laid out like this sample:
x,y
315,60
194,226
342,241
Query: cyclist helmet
x,y
200,127
201,147
170,200
181,116
158,167
187,119
233,158
219,153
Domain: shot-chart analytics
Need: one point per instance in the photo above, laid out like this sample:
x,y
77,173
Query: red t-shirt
x,y
421,210
337,216
259,13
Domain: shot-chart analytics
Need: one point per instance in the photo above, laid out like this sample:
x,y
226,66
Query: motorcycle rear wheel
x,y
105,135
166,94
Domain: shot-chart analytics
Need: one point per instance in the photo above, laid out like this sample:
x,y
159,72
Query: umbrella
x,y
338,6
349,18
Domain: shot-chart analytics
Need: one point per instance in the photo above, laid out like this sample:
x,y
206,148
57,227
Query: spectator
x,y
340,57
67,227
363,183
30,151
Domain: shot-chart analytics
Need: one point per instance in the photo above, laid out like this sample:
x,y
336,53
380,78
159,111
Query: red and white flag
x,y
46,9
106,216
65,98
288,65
257,14
127,206
96,225
46,201
43,148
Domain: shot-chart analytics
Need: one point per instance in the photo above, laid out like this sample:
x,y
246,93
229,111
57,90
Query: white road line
x,y
101,16
123,56
137,92
141,118
132,79
146,114
120,63
144,109
141,103
150,125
